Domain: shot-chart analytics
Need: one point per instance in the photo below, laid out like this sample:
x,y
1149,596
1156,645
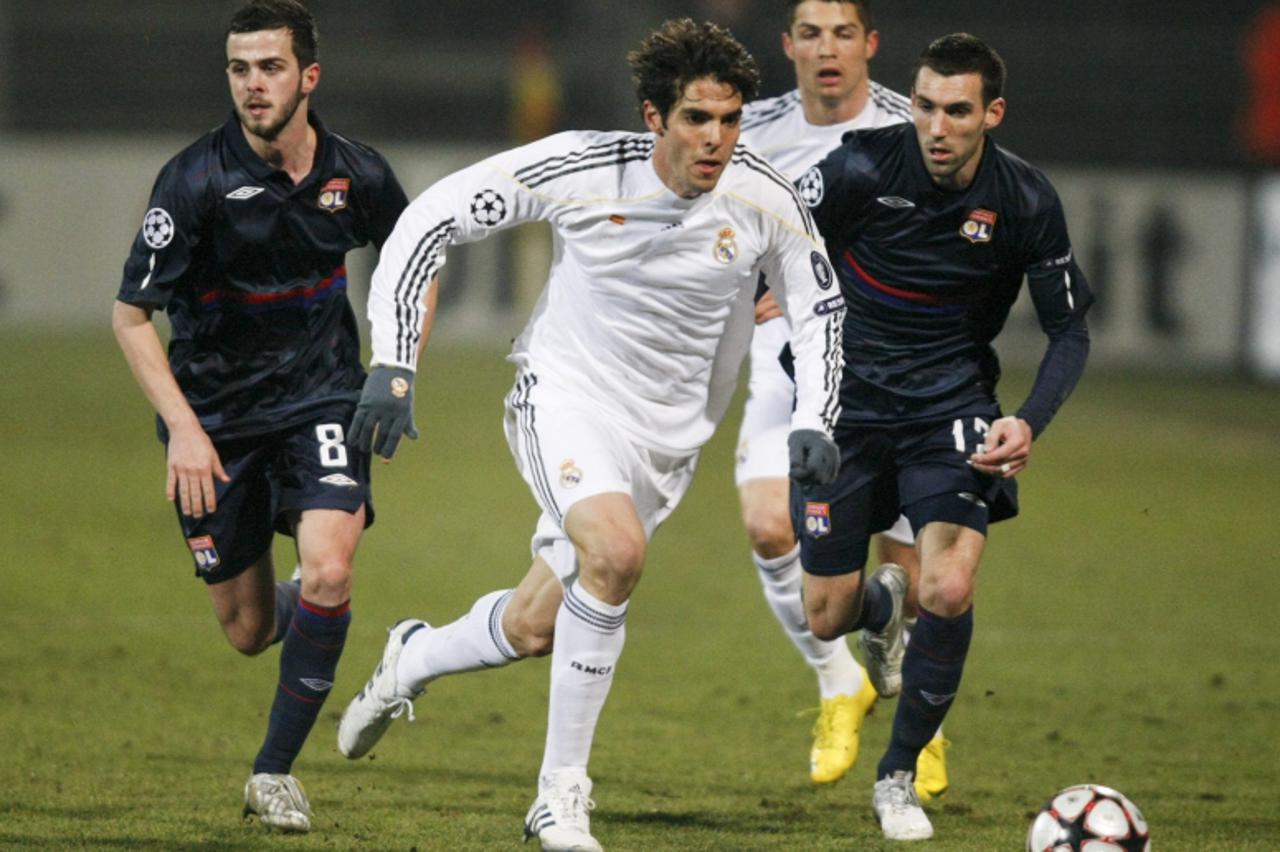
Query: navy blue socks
x,y
930,678
308,662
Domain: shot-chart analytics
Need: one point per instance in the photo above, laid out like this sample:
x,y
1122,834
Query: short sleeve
x,y
167,238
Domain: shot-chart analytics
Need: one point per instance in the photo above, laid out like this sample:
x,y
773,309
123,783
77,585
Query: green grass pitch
x,y
1126,635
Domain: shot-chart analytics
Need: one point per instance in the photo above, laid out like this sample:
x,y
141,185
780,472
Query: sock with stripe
x,y
930,678
308,661
475,641
838,672
589,638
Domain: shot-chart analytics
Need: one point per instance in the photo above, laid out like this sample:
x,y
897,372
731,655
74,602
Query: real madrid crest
x,y
978,227
726,249
333,195
570,474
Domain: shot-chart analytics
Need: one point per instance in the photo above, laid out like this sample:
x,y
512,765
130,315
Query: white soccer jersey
x,y
648,309
776,128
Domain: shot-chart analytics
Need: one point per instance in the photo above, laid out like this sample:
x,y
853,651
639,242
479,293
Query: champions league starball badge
x,y
157,228
488,208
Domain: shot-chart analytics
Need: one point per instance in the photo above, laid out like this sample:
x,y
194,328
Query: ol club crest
x,y
978,227
333,195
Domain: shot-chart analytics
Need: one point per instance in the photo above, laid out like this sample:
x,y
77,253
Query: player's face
x,y
267,86
830,48
696,138
951,124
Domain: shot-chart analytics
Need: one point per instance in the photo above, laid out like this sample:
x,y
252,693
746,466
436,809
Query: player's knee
x,y
769,530
614,565
327,582
946,596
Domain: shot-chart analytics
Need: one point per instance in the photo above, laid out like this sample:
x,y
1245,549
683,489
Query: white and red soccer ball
x,y
1089,818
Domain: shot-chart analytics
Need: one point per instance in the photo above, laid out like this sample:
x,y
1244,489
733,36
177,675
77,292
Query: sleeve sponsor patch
x,y
829,306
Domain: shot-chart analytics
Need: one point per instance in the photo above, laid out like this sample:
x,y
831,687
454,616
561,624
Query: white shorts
x,y
766,418
567,451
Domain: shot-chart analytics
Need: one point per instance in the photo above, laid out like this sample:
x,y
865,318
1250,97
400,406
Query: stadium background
x,y
1126,622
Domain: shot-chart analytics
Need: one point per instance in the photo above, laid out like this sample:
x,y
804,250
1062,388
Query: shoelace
x,y
402,706
283,794
901,795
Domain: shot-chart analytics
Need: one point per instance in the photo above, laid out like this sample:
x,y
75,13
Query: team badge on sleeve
x,y
333,195
812,187
157,228
978,227
726,248
205,553
488,208
817,519
821,270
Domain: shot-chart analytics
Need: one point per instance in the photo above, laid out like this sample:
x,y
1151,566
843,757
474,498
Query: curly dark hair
x,y
961,53
259,15
679,52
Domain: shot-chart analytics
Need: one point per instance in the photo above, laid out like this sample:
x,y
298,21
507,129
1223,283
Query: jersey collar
x,y
261,170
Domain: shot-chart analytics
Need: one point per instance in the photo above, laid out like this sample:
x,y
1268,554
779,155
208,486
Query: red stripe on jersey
x,y
301,292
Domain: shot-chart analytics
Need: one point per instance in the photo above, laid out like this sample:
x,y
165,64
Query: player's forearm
x,y
819,362
429,321
145,354
1060,371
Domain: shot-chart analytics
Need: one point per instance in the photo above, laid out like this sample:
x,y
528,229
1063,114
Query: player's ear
x,y
995,114
653,118
310,78
873,43
787,47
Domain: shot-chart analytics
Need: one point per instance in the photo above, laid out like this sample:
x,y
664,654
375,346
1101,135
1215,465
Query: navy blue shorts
x,y
273,477
920,470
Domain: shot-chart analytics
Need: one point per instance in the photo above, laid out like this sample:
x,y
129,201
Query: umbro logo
x,y
315,684
339,479
895,202
245,192
936,700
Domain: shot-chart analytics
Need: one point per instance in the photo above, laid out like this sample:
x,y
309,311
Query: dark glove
x,y
385,411
815,459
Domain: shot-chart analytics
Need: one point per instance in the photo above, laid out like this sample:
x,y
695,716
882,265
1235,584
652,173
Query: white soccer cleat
x,y
882,651
561,815
279,802
898,809
383,698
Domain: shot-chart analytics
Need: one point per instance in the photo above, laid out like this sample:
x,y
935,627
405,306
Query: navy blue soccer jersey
x,y
929,276
250,269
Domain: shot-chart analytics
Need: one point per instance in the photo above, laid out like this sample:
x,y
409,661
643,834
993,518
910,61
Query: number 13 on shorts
x,y
972,440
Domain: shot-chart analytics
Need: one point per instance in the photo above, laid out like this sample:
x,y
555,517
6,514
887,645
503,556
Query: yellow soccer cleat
x,y
931,769
835,734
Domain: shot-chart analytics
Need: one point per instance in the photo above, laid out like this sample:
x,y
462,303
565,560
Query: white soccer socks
x,y
589,638
475,641
838,672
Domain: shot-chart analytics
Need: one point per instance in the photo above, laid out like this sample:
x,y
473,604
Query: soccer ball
x,y
1089,818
